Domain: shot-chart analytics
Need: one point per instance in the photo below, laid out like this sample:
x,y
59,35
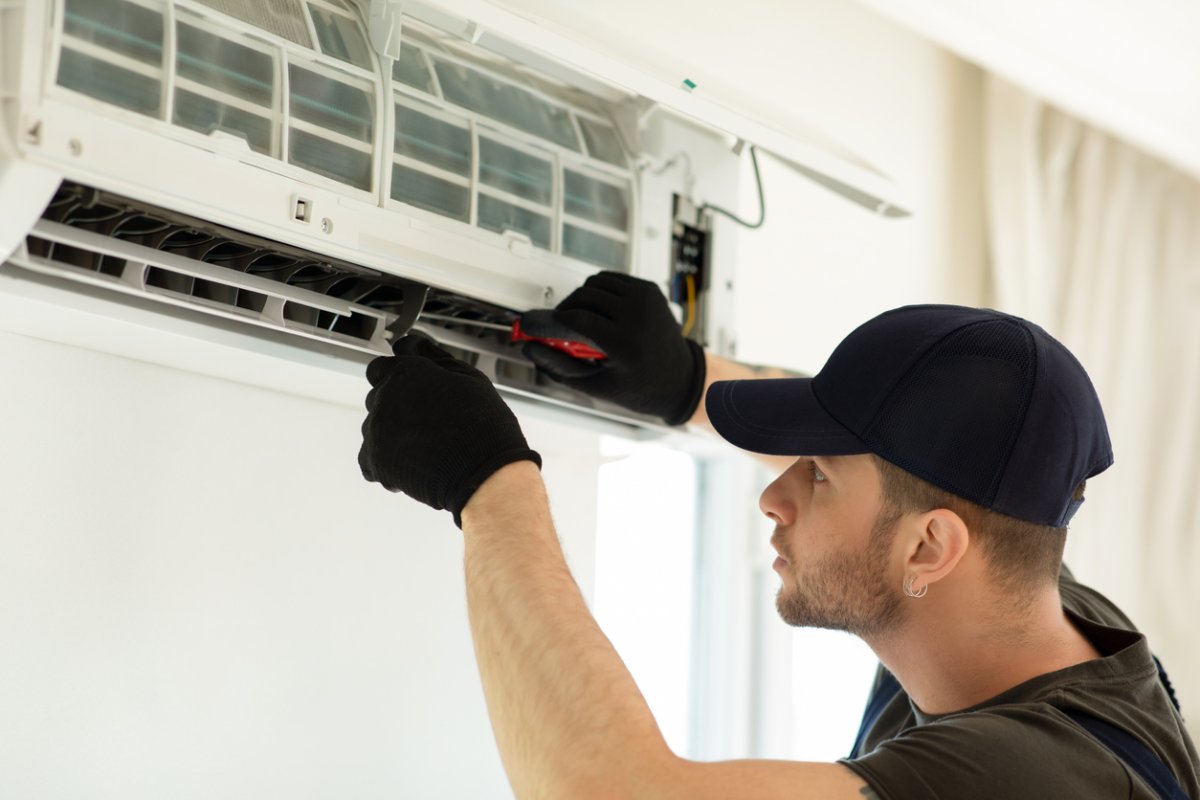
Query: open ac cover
x,y
338,172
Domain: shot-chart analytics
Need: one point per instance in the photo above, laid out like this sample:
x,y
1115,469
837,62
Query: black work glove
x,y
651,367
436,428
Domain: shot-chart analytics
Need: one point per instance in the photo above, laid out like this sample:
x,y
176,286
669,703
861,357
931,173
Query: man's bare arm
x,y
568,718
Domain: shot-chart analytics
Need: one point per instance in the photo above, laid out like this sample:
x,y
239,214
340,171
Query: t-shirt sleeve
x,y
993,755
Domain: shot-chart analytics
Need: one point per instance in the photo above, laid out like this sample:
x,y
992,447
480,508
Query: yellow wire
x,y
690,320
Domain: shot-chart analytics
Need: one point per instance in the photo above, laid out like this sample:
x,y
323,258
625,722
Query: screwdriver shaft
x,y
495,326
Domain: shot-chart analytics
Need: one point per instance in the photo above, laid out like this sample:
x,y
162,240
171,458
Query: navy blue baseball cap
x,y
985,405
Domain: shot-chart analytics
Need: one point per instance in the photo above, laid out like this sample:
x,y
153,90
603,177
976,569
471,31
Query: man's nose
x,y
777,504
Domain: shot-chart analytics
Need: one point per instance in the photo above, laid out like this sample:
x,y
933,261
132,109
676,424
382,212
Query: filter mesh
x,y
283,18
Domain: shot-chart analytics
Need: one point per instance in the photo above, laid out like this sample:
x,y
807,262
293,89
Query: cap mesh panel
x,y
954,417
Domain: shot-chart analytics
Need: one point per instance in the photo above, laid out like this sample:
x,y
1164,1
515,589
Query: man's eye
x,y
817,475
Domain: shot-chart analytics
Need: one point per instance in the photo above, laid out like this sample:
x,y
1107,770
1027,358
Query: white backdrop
x,y
201,597
1100,244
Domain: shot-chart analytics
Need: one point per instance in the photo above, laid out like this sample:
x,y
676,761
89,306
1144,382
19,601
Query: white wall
x,y
821,266
201,597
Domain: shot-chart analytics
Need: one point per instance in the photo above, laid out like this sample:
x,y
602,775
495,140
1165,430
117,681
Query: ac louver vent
x,y
101,239
107,240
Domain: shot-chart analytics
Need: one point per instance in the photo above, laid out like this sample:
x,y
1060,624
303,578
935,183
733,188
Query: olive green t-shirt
x,y
1019,744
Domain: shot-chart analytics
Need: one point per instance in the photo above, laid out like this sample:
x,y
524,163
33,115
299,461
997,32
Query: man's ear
x,y
938,540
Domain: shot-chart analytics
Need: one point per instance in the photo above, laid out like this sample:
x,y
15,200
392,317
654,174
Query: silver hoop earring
x,y
908,587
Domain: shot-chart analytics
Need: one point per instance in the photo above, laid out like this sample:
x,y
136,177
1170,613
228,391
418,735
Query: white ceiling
x,y
1130,68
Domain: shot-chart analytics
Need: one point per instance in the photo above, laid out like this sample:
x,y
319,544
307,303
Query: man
x,y
931,468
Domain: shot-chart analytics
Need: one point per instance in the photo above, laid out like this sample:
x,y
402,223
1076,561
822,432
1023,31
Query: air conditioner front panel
x,y
96,150
128,86
393,188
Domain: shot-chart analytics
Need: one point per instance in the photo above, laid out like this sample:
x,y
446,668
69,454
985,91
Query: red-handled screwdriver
x,y
539,326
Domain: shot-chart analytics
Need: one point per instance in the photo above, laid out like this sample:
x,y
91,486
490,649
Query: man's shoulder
x,y
1013,750
1019,741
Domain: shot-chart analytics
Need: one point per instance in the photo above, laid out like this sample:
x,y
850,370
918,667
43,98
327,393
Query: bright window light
x,y
832,673
644,572
774,691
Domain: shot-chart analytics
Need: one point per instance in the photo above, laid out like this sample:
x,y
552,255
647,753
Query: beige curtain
x,y
1100,244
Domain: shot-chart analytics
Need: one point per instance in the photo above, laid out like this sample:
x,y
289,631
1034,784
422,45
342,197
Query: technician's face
x,y
834,551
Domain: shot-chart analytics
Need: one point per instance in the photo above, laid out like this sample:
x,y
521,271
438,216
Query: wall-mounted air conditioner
x,y
340,171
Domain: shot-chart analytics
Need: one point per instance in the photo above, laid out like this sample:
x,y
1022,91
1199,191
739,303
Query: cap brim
x,y
779,417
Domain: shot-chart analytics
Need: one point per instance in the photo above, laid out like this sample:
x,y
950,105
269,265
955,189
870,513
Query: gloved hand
x,y
651,367
436,428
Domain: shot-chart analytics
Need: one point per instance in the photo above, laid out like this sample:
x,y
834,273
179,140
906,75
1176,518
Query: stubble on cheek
x,y
845,591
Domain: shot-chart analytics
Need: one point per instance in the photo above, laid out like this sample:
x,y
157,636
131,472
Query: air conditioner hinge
x,y
384,25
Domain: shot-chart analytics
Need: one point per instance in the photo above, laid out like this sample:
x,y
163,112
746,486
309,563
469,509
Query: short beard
x,y
847,591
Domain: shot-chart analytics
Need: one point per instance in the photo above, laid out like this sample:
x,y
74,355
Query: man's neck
x,y
951,655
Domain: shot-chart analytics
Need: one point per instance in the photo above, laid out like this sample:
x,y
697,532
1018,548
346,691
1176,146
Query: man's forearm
x,y
569,719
